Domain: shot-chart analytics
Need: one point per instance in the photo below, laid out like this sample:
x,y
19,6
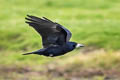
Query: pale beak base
x,y
79,45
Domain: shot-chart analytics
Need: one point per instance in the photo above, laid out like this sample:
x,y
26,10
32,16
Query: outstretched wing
x,y
52,33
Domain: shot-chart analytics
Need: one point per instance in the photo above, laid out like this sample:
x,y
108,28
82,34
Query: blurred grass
x,y
94,23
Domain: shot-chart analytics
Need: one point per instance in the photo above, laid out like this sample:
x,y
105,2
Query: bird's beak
x,y
79,45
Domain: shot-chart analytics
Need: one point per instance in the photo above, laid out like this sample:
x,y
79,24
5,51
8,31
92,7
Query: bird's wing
x,y
52,33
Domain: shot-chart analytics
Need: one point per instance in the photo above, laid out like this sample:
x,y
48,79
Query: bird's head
x,y
73,45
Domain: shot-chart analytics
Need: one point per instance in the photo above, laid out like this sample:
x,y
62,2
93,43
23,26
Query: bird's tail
x,y
28,53
35,52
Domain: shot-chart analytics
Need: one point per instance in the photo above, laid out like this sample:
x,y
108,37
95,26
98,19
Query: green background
x,y
94,23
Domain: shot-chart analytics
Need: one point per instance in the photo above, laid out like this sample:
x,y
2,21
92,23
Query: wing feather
x,y
52,33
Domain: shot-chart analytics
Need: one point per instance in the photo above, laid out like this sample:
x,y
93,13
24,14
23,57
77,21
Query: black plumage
x,y
55,37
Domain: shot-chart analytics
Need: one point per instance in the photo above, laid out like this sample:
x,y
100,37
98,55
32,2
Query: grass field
x,y
93,23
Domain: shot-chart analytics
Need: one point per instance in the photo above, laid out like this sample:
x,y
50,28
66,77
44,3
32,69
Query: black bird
x,y
55,37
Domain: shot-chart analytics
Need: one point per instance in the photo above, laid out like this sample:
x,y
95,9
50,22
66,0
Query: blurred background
x,y
94,23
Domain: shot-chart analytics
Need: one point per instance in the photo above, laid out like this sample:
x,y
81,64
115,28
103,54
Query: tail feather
x,y
35,52
28,53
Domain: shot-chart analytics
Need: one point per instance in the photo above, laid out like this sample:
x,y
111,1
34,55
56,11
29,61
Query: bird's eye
x,y
74,45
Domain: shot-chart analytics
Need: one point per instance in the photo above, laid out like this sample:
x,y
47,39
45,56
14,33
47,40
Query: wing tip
x,y
26,18
29,18
35,19
28,15
47,19
27,22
